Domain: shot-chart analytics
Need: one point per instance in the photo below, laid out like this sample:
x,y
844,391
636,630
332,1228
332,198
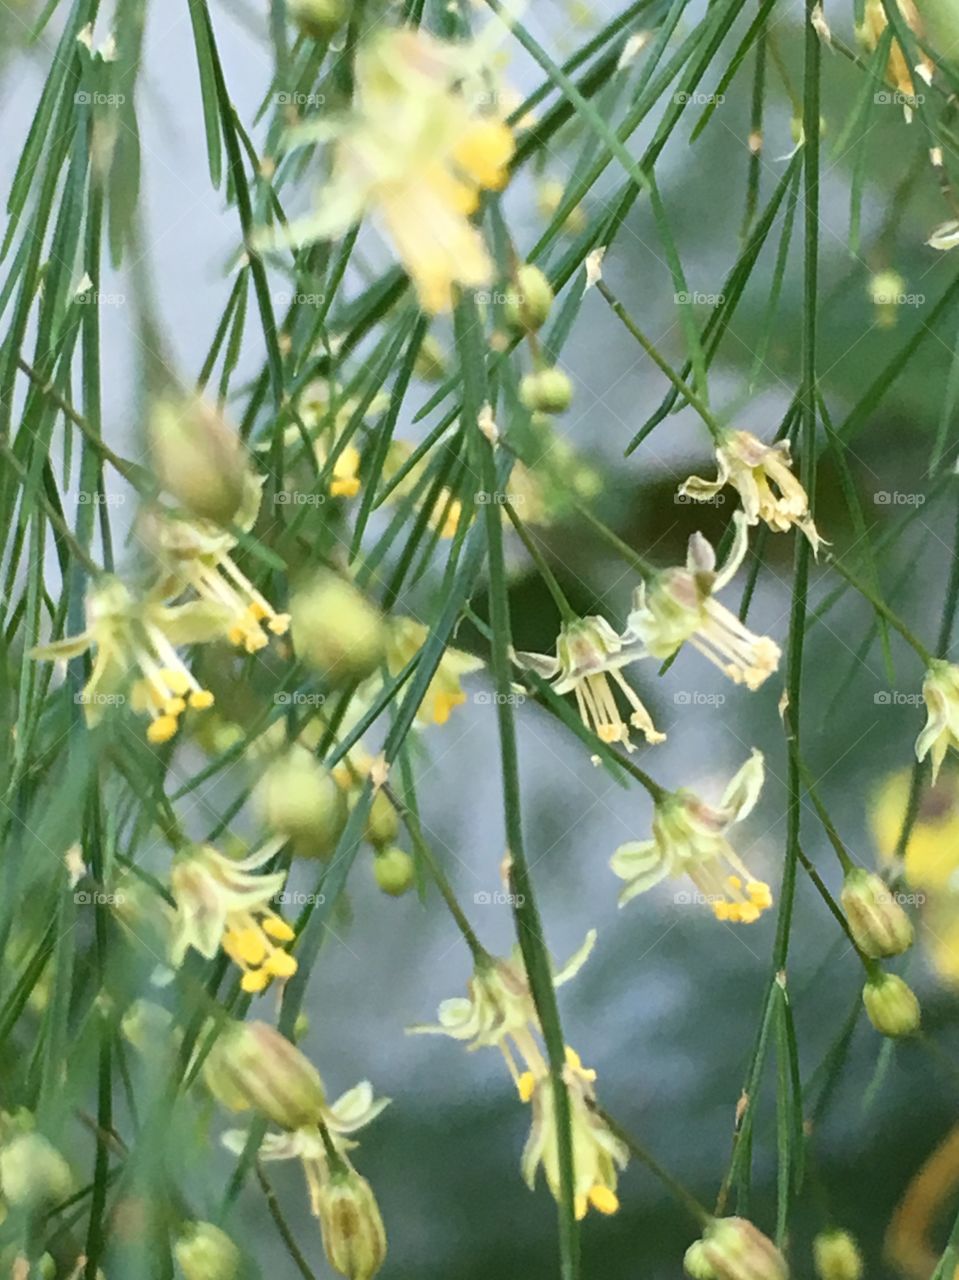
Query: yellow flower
x,y
588,654
678,606
598,1154
197,555
416,153
221,903
445,691
762,475
499,1012
139,635
689,838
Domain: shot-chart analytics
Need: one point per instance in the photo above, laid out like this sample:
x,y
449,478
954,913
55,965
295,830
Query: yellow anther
x,y
200,699
603,1199
247,945
280,624
580,1205
278,929
162,729
444,703
484,151
280,964
734,882
174,706
254,981
526,1086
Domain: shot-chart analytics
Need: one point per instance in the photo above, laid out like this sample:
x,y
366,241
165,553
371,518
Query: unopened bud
x,y
318,18
336,629
251,1065
736,1250
353,1234
836,1256
382,822
198,458
298,798
33,1173
528,307
546,391
876,920
204,1252
395,871
695,1264
891,1005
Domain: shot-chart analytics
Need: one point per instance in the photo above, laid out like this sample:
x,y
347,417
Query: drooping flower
x,y
130,635
898,72
762,475
350,1223
690,839
588,654
678,606
222,903
499,1012
445,692
417,152
196,555
598,1154
940,692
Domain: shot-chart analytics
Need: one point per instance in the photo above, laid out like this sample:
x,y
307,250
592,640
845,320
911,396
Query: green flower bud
x,y
528,306
736,1250
546,391
298,798
836,1256
336,630
695,1263
198,458
382,822
395,871
877,922
33,1173
252,1066
353,1234
204,1252
891,1005
318,19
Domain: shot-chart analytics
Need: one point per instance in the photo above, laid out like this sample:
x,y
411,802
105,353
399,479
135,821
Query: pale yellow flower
x,y
589,653
940,692
689,839
139,636
220,902
762,474
196,555
678,606
445,691
416,152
